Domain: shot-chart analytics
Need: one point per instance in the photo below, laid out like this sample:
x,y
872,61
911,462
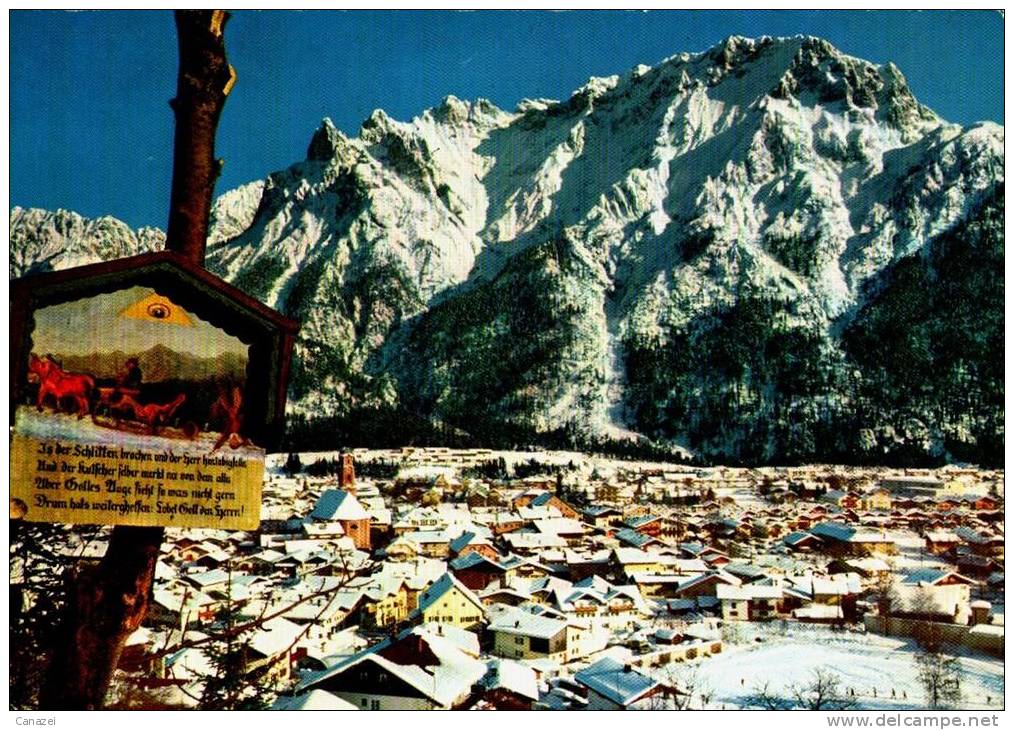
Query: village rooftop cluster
x,y
443,579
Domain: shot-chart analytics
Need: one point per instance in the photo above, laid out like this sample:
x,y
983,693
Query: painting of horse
x,y
59,384
153,415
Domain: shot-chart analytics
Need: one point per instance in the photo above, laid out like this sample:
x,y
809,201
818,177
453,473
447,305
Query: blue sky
x,y
91,129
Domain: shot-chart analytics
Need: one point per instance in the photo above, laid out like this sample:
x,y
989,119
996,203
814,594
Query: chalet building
x,y
327,613
628,561
944,593
477,572
421,669
650,525
601,517
840,539
878,500
525,567
916,487
507,522
385,602
874,568
547,499
941,542
580,567
271,650
632,538
749,602
972,564
342,507
178,609
504,597
705,584
802,541
430,543
657,586
448,601
981,543
470,542
519,634
985,503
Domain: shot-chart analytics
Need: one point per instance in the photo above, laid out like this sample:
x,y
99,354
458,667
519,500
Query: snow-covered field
x,y
866,663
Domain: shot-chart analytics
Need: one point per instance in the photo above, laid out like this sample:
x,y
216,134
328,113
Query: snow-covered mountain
x,y
769,250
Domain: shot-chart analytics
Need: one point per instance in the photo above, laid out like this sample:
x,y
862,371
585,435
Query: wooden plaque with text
x,y
144,391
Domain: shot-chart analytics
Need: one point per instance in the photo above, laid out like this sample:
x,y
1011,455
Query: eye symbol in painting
x,y
157,310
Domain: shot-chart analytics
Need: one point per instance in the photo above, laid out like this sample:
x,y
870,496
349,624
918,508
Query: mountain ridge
x,y
592,266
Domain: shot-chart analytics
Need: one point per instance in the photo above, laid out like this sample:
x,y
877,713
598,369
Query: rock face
x,y
769,251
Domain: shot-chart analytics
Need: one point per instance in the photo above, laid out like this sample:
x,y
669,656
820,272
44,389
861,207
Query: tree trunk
x,y
205,79
107,602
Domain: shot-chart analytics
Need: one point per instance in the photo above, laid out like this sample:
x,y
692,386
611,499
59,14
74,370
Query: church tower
x,y
347,473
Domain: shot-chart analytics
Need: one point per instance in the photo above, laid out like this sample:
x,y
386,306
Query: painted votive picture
x,y
134,368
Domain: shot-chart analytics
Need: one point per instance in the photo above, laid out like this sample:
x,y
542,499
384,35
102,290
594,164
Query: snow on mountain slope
x,y
41,240
675,251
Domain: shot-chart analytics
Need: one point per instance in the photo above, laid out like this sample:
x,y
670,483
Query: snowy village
x,y
473,579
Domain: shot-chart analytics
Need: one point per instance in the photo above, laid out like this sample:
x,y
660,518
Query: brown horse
x,y
55,381
151,414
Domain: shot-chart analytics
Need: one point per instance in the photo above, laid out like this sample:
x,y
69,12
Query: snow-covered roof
x,y
337,504
315,699
933,576
522,623
818,611
209,578
794,538
615,681
634,556
275,636
533,540
463,639
465,539
530,512
541,499
428,537
633,537
560,526
599,511
719,575
172,600
987,630
641,520
513,676
748,592
869,565
834,531
472,559
323,529
595,582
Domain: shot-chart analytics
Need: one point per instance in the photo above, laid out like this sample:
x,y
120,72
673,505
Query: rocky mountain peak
x,y
326,142
689,251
